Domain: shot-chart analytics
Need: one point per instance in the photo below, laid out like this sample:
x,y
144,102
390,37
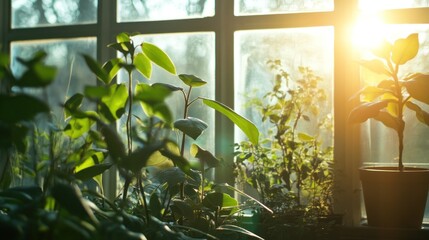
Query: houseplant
x,y
164,211
394,196
291,167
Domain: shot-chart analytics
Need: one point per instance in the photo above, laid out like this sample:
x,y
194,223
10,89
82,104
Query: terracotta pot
x,y
395,199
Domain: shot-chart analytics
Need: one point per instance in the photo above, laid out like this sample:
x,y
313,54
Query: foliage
x,y
291,167
387,101
163,196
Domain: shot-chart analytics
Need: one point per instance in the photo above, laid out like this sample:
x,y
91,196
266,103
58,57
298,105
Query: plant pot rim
x,y
392,169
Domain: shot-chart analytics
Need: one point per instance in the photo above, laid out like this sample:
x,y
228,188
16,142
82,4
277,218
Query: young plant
x,y
291,168
387,101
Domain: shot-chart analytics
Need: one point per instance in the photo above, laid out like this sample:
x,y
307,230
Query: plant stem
x,y
130,108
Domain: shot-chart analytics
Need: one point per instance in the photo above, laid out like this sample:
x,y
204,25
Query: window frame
x,y
346,71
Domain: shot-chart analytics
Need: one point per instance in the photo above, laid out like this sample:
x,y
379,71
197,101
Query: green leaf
x,y
152,101
388,120
418,87
158,56
76,127
366,110
245,125
217,200
178,160
192,80
139,158
204,156
168,86
72,104
96,92
96,69
115,102
192,127
37,73
371,93
112,67
143,65
151,94
123,37
376,66
94,172
305,137
183,208
21,107
405,49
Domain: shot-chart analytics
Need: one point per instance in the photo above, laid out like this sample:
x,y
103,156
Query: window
x,y
228,43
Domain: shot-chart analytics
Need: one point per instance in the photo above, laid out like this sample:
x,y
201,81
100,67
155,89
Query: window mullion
x,y
346,141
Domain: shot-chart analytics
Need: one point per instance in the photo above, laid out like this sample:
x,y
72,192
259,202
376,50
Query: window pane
x,y
392,4
254,7
380,143
151,10
192,54
72,73
36,13
300,47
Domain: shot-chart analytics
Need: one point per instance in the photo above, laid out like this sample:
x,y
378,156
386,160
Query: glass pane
x,y
255,7
380,143
151,10
37,13
300,47
391,4
72,75
192,54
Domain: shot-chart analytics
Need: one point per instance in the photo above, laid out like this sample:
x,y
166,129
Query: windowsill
x,y
371,233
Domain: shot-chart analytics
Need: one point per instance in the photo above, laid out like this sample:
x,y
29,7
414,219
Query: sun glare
x,y
368,31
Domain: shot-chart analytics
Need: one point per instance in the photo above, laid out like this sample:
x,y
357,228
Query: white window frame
x,y
346,71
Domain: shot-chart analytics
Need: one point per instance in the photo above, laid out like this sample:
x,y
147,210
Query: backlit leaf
x,y
244,124
418,87
192,127
192,80
159,57
405,49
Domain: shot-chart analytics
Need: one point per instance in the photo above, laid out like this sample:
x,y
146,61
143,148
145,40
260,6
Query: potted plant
x,y
394,196
291,167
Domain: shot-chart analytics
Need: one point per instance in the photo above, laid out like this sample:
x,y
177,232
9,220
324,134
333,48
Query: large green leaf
x,y
192,127
405,49
152,100
204,156
244,124
364,111
217,200
155,206
418,87
192,80
114,142
112,67
115,102
21,107
388,120
143,65
159,57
